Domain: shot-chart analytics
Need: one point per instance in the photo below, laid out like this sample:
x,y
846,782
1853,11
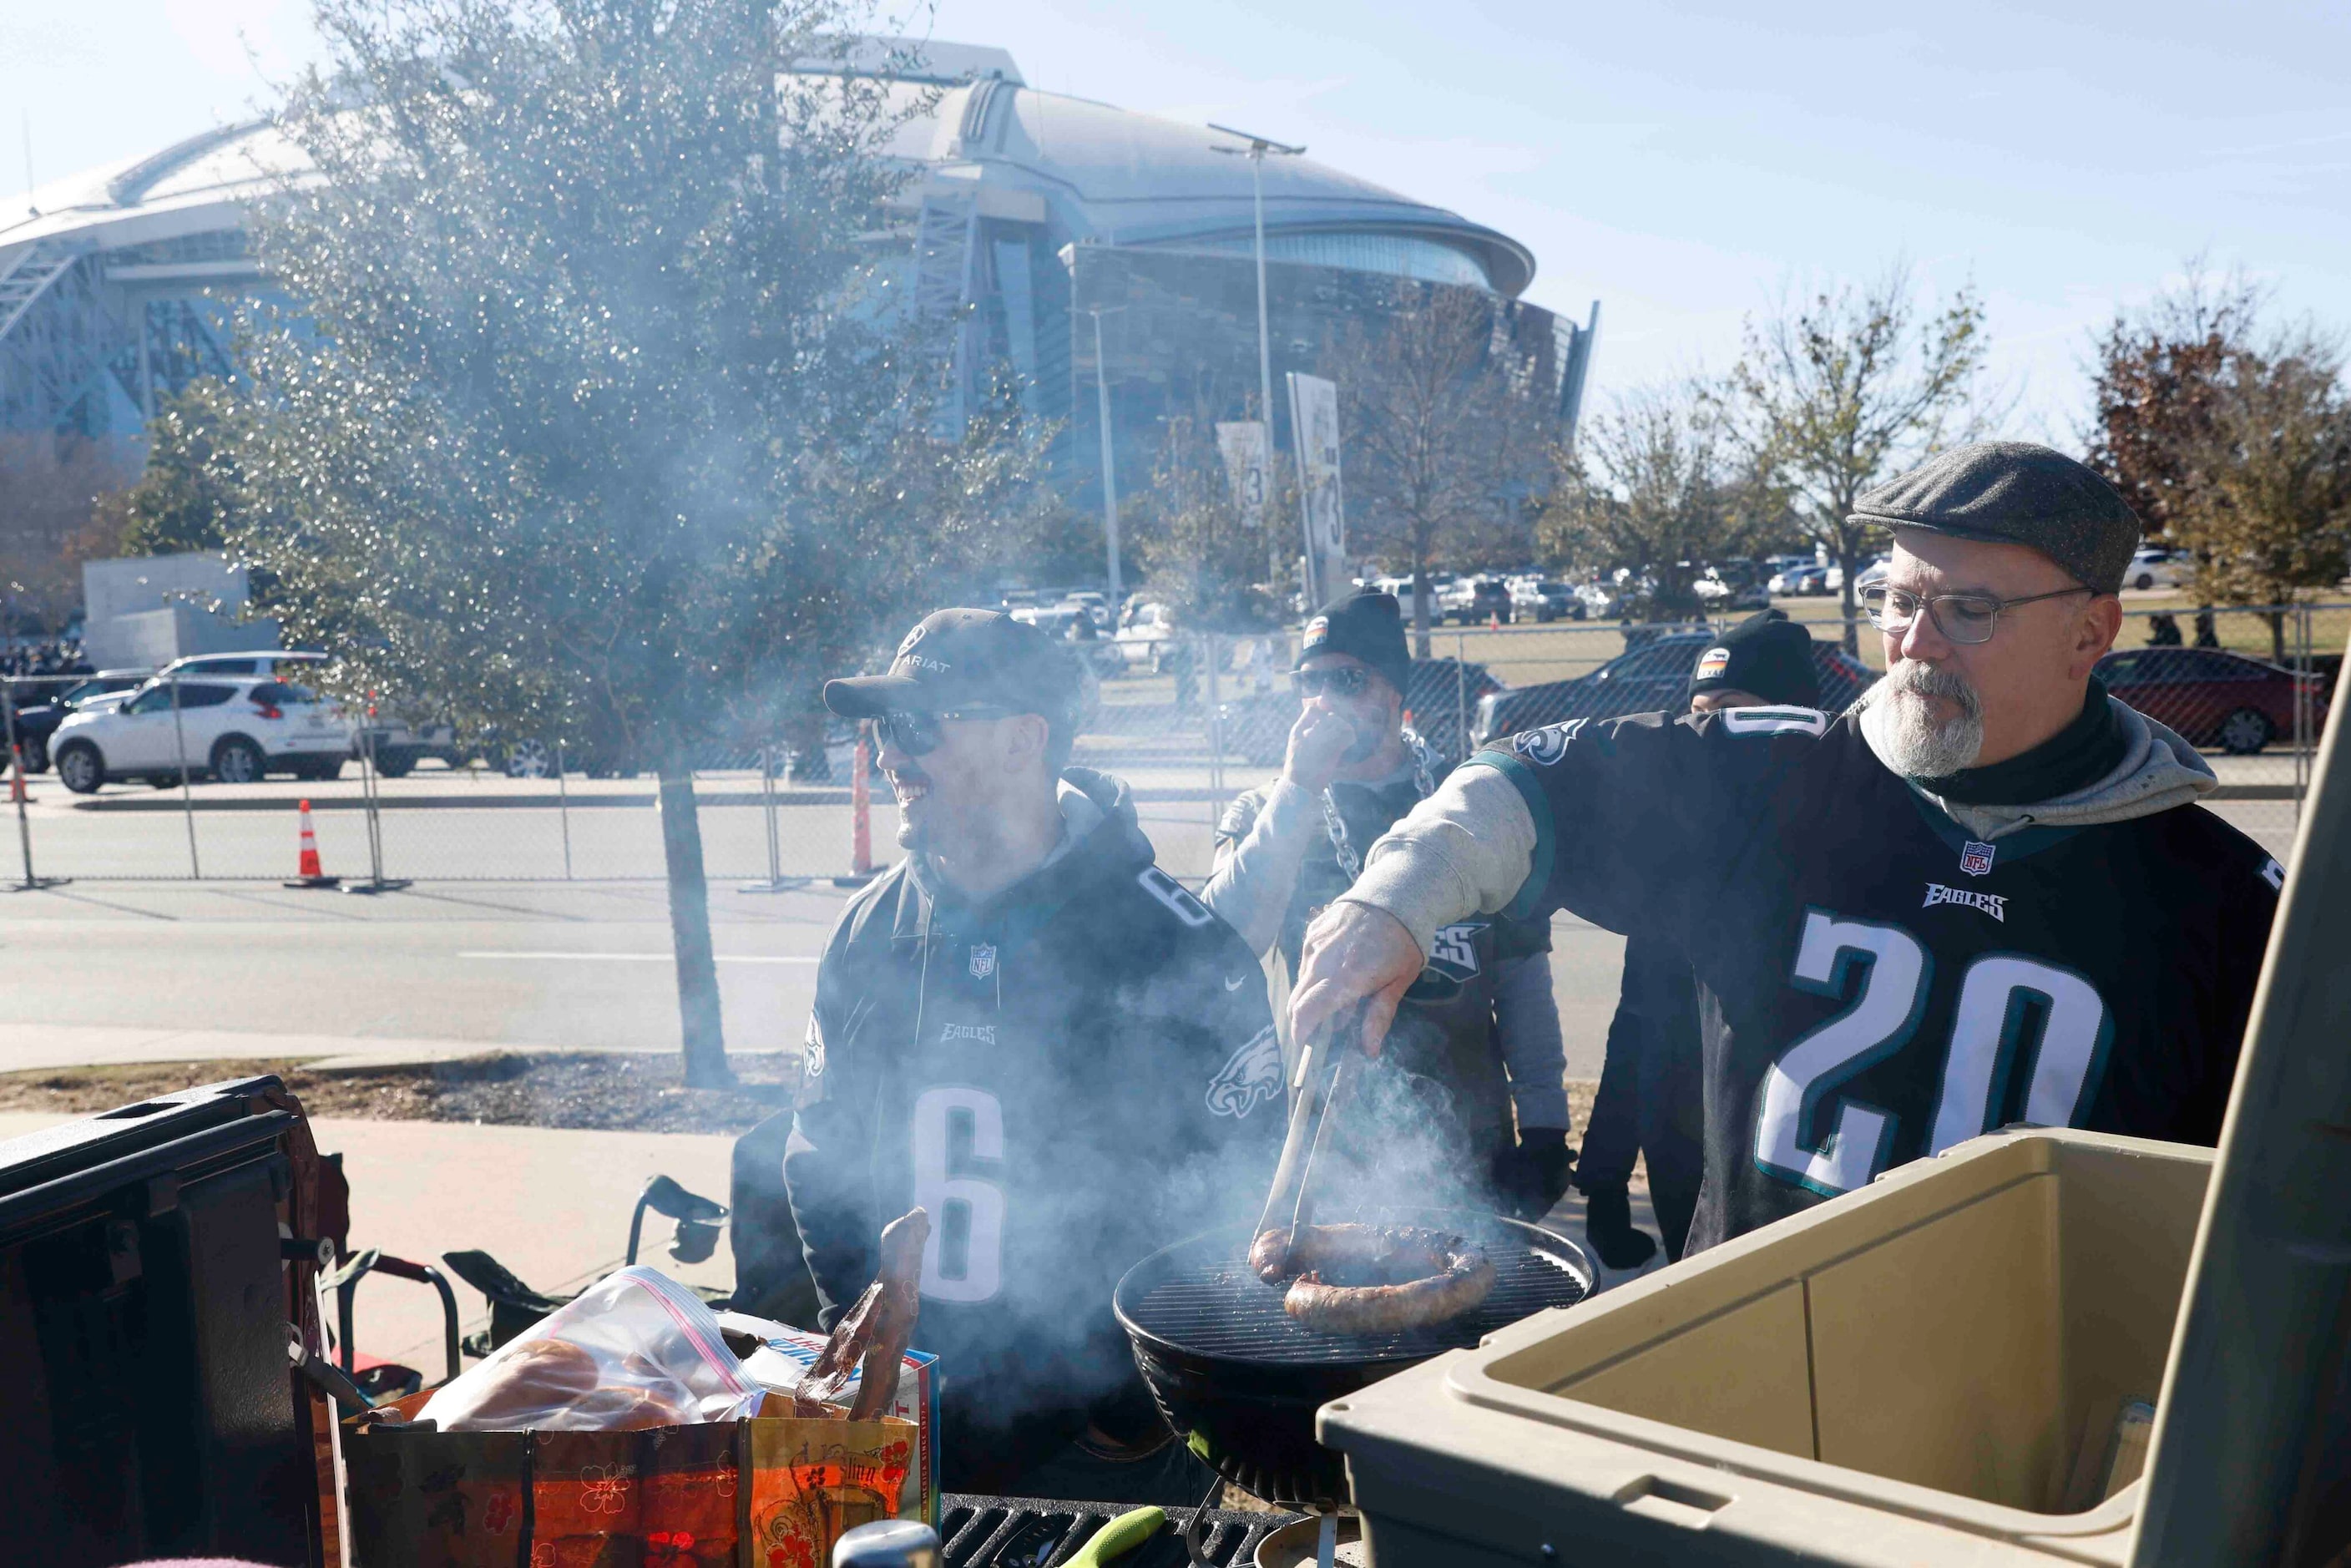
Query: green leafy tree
x,y
594,423
1656,485
1836,395
189,494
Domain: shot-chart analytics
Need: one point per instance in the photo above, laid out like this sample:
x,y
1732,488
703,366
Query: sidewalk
x,y
552,1206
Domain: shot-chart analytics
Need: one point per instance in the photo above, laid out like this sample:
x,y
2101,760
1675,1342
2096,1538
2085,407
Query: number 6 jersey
x,y
1068,1076
1878,983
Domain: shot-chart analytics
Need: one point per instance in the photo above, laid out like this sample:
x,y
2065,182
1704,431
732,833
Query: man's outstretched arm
x,y
1467,849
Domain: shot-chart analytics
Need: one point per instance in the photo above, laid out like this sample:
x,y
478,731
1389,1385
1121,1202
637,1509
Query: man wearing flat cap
x,y
1985,894
1031,1031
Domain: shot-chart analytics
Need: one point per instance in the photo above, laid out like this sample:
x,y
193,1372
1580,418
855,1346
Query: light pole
x,y
1110,471
1255,153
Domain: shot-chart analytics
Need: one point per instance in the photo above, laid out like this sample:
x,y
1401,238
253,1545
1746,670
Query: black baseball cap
x,y
1366,623
962,659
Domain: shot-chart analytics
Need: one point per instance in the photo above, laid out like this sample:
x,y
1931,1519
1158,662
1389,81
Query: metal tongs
x,y
1314,1090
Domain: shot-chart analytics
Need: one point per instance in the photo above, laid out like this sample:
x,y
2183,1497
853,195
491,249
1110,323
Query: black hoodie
x,y
1068,1075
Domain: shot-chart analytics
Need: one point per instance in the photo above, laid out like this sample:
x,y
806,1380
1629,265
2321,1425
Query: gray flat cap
x,y
2014,492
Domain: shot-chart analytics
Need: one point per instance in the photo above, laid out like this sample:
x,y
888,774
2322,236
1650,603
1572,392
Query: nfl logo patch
x,y
983,960
1976,859
1712,662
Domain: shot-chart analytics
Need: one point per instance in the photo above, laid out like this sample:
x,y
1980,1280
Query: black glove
x,y
1532,1176
1608,1221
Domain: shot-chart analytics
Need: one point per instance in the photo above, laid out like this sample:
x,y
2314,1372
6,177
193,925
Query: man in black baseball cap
x,y
1031,1031
1481,1020
1983,894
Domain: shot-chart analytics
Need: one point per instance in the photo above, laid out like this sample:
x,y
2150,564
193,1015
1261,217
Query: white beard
x,y
1902,729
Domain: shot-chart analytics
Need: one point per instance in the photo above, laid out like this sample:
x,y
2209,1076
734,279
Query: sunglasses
x,y
1960,617
918,734
1346,681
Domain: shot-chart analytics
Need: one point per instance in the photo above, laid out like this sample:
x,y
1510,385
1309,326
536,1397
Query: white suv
x,y
237,730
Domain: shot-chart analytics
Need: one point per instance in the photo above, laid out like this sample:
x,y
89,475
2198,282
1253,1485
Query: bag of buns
x,y
636,1349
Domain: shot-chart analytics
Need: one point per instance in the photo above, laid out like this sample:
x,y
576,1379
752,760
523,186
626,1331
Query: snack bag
x,y
636,1349
783,1358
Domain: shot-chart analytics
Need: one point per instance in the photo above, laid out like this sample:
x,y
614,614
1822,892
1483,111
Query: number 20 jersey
x,y
1878,984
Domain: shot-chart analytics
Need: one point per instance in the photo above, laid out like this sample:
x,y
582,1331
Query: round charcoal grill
x,y
1240,1379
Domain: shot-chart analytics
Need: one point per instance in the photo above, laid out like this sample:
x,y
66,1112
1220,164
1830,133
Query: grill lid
x,y
1199,1297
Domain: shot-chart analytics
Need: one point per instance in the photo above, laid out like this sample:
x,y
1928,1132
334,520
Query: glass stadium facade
x,y
1031,210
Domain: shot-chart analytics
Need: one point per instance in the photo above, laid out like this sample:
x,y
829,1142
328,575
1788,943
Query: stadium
x,y
1035,216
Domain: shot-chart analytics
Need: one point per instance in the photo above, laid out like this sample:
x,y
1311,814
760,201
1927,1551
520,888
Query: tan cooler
x,y
1952,1366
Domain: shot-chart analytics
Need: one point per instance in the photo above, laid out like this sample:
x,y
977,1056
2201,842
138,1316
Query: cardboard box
x,y
1949,1365
787,1354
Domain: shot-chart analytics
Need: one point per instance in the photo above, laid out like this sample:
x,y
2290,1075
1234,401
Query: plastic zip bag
x,y
634,1349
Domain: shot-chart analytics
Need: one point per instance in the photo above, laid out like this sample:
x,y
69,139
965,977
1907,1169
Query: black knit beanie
x,y
1367,624
1767,653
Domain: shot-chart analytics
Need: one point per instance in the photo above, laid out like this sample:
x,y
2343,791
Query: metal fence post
x,y
377,881
1461,693
1215,732
187,801
777,880
29,883
563,808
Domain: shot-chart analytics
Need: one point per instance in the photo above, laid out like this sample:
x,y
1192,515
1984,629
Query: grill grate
x,y
1204,1300
1035,1532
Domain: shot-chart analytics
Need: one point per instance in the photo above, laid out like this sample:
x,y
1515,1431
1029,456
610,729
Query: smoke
x,y
1901,724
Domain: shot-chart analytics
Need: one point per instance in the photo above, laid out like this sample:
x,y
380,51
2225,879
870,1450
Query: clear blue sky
x,y
1682,162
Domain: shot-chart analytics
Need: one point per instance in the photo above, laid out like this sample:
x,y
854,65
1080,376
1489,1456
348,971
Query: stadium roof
x,y
1105,175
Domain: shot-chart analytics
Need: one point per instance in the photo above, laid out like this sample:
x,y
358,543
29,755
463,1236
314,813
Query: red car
x,y
2210,696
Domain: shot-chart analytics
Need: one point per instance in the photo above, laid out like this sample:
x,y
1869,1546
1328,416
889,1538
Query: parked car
x,y
2156,566
1601,600
2209,696
278,661
37,725
1074,625
1730,589
236,730
1874,572
1144,630
1799,581
1541,600
1651,678
401,737
1477,599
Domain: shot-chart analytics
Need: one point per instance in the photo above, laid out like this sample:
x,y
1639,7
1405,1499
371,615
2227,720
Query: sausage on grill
x,y
1439,1276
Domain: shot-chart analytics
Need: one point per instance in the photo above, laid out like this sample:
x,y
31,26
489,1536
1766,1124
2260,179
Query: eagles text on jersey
x,y
1881,984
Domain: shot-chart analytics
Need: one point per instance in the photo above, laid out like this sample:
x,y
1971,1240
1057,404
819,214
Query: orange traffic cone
x,y
308,869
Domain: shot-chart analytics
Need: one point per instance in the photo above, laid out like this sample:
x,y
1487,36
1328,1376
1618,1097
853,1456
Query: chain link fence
x,y
202,776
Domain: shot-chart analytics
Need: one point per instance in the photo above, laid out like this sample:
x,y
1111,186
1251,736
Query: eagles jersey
x,y
1879,985
1068,1076
1445,1027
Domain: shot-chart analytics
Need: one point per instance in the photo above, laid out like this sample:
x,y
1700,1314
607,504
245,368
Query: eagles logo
x,y
1250,1075
1546,746
1452,963
812,1053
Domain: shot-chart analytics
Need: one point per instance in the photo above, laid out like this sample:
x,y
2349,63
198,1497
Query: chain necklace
x,y
1424,784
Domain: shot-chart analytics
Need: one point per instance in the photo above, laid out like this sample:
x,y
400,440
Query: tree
x,y
1443,444
2158,380
2232,440
1836,395
1199,556
1655,484
594,423
54,493
188,495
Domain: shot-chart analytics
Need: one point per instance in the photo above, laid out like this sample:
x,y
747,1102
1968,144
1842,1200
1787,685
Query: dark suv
x,y
1652,678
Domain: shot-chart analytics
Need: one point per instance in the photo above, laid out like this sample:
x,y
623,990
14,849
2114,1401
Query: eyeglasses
x,y
918,734
1340,681
1960,617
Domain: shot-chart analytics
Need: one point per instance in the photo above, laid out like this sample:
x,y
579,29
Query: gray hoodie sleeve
x,y
1526,1015
1467,849
1256,871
